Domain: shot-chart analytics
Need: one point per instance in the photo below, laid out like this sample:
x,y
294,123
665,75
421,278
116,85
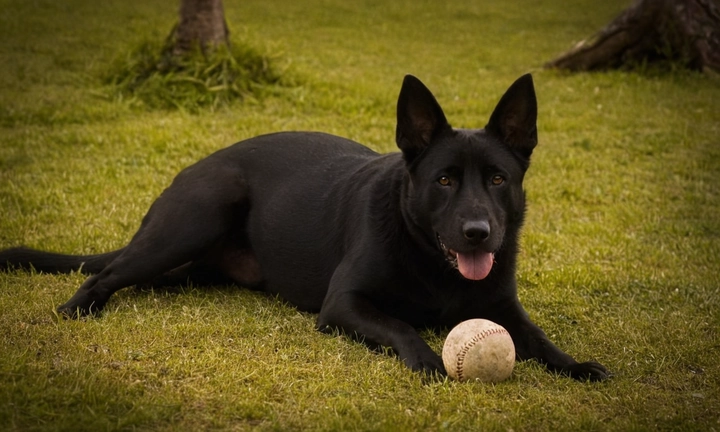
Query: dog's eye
x,y
444,180
497,180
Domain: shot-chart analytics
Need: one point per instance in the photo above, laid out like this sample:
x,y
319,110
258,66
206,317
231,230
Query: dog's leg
x,y
158,247
348,309
186,221
194,272
358,318
531,342
226,264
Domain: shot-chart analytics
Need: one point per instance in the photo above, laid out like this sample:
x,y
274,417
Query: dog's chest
x,y
416,302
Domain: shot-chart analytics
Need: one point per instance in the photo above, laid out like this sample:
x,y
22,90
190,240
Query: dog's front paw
x,y
588,371
427,362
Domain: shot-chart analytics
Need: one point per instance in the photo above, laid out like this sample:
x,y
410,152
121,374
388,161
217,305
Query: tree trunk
x,y
683,31
202,24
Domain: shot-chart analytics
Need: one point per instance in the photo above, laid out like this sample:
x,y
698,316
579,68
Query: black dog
x,y
377,244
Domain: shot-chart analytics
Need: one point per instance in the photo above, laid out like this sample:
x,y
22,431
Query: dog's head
x,y
465,185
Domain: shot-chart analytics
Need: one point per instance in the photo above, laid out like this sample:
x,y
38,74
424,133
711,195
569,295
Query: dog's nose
x,y
477,230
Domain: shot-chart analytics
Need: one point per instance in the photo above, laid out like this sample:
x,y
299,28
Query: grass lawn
x,y
620,258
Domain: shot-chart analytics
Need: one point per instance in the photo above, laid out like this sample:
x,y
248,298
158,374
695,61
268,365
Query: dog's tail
x,y
49,262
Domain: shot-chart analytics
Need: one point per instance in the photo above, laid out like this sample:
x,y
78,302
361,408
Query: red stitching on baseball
x,y
474,341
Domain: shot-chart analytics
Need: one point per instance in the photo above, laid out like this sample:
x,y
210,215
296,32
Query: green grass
x,y
620,257
151,76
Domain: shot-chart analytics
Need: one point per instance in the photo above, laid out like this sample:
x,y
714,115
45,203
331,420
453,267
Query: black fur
x,y
378,245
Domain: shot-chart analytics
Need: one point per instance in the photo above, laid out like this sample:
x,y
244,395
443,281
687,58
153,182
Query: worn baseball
x,y
479,349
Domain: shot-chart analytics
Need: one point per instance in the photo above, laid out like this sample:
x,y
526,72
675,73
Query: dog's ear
x,y
515,116
419,118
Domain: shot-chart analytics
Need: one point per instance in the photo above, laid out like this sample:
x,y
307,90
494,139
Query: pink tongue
x,y
475,265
